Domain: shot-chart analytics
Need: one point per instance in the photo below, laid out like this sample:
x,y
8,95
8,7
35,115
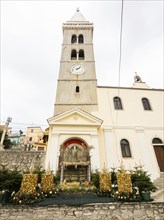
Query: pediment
x,y
75,116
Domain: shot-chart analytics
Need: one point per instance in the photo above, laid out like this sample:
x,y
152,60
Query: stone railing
x,y
111,211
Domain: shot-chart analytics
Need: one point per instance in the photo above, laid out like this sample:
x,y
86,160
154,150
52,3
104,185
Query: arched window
x,y
80,39
146,104
73,55
117,103
125,148
74,39
81,54
157,141
77,89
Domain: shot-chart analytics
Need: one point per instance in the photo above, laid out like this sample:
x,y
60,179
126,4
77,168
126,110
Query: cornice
x,y
131,88
82,26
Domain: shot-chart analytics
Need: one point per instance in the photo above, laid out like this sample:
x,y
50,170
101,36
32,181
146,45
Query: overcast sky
x,y
31,38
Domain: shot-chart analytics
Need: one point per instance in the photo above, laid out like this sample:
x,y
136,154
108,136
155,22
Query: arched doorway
x,y
74,161
159,152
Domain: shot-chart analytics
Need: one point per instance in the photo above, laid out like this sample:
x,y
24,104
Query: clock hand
x,y
77,68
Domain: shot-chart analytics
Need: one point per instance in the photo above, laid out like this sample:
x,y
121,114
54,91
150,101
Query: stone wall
x,y
22,159
110,211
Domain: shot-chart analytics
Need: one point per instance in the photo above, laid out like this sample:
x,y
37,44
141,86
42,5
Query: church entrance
x,y
74,161
159,152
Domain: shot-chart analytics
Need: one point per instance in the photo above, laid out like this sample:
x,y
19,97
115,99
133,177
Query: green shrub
x,y
114,176
57,178
95,179
141,180
10,180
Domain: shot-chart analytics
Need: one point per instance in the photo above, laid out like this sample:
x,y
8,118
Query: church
x,y
100,126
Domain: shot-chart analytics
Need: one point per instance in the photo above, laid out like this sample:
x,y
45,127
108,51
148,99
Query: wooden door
x,y
159,152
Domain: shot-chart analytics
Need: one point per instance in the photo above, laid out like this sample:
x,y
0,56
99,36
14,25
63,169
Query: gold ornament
x,y
105,180
47,182
124,181
29,183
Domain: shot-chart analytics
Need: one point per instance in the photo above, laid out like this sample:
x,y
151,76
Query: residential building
x,y
33,135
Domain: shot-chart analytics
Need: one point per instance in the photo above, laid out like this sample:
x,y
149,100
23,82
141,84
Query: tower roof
x,y
78,17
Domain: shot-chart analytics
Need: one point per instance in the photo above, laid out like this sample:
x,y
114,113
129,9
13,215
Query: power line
x,y
30,124
120,55
120,51
119,71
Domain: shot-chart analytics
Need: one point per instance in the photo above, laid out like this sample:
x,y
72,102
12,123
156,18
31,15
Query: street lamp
x,y
9,119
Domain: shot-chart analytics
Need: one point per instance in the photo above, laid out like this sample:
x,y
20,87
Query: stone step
x,y
162,174
160,179
159,185
159,182
158,196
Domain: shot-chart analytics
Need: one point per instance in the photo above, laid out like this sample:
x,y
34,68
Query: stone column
x,y
94,152
89,172
61,174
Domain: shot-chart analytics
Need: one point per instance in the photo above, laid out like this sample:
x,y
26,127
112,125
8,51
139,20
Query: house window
x,y
73,55
146,104
81,54
157,141
117,103
41,148
125,148
74,39
30,138
81,39
77,89
32,130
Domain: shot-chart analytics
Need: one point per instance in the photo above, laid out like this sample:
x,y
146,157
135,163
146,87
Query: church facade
x,y
100,126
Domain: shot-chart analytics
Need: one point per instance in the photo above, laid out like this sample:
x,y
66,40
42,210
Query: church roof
x,y
78,17
75,117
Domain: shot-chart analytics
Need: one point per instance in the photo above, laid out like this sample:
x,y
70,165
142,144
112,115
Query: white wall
x,y
133,123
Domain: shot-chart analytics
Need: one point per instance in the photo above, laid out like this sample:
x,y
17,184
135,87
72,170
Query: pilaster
x,y
144,151
110,148
94,153
52,153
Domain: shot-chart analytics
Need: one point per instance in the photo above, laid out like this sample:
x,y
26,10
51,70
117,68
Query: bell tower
x,y
77,81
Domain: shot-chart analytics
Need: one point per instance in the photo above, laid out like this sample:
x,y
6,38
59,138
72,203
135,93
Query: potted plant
x,y
141,180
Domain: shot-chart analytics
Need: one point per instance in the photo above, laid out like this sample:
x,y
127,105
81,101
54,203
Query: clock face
x,y
77,69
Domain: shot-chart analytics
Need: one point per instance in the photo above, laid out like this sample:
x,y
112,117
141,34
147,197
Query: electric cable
x,y
119,78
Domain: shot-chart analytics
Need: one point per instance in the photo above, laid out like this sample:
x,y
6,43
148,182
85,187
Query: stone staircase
x,y
158,196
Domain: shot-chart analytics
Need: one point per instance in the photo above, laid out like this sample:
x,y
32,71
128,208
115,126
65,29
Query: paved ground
x,y
79,200
75,200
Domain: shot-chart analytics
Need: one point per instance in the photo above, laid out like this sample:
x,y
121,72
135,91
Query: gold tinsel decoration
x,y
124,181
47,182
29,183
105,180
